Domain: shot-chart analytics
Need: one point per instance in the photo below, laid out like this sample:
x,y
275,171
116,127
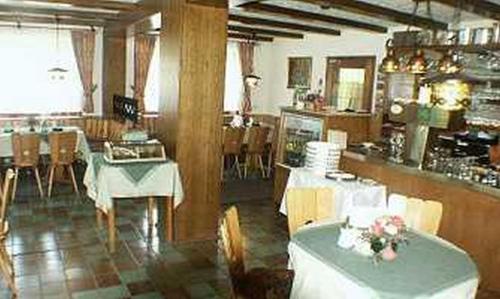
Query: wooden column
x,y
193,58
114,67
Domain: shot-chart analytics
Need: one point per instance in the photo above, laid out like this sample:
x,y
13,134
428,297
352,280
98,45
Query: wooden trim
x,y
305,15
283,25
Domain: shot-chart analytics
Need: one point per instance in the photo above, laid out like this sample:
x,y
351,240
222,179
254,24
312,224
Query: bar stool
x,y
26,149
62,153
257,139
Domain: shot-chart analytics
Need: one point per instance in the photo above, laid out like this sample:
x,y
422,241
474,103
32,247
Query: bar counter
x,y
471,212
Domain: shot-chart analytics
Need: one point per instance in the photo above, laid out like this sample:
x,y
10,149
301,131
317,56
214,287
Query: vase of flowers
x,y
385,237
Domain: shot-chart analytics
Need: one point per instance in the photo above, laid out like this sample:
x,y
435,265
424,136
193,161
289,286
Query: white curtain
x,y
152,91
233,92
26,55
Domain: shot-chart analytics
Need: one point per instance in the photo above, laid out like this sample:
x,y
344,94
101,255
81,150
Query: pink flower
x,y
398,222
377,229
388,254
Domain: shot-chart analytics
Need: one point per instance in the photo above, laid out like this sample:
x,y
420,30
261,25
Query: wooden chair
x,y
257,139
62,154
258,283
308,205
272,151
6,265
116,130
421,215
231,147
26,149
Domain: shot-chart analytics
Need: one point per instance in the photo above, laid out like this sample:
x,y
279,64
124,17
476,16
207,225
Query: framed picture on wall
x,y
299,72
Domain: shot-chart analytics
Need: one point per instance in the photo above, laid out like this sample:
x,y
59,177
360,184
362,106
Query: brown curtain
x,y
84,48
144,46
246,50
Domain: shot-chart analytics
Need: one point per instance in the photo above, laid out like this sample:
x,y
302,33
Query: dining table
x,y
107,182
82,146
427,267
349,196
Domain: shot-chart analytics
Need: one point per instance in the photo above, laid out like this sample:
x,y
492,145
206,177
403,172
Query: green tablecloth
x,y
425,267
136,171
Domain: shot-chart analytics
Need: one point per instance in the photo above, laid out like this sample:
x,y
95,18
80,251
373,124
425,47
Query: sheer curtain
x,y
233,92
26,55
152,91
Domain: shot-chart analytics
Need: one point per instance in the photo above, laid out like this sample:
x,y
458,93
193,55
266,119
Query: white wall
x,y
271,62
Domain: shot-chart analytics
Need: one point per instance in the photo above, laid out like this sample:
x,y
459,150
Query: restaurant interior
x,y
306,149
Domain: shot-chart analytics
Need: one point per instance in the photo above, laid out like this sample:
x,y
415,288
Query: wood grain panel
x,y
114,64
357,128
193,57
470,218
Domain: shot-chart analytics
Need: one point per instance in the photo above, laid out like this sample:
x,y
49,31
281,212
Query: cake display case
x,y
129,152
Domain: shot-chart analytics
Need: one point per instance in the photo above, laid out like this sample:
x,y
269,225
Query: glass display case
x,y
127,152
297,130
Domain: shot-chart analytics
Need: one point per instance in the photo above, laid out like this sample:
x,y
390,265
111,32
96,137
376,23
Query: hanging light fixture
x,y
449,63
417,63
57,72
390,63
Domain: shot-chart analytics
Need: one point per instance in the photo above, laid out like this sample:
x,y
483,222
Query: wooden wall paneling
x,y
470,218
114,68
357,128
193,58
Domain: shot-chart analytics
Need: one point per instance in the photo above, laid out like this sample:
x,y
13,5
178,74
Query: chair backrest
x,y
257,139
421,215
116,130
305,205
7,189
63,147
232,140
233,245
26,149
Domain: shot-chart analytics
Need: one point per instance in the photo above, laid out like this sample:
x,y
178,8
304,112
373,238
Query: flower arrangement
x,y
385,236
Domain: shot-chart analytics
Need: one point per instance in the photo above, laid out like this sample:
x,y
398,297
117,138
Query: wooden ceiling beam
x,y
305,15
479,7
252,31
282,25
50,20
101,4
259,38
371,10
58,12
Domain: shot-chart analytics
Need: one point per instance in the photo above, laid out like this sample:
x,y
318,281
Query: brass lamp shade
x,y
390,64
448,64
417,63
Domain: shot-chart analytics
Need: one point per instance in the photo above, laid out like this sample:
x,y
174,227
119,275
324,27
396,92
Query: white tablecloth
x,y
315,279
112,182
347,195
82,146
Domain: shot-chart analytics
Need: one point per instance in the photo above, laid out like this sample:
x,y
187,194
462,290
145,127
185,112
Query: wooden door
x,y
338,71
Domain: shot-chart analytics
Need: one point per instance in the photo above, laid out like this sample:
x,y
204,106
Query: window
x,y
233,92
26,55
152,91
350,89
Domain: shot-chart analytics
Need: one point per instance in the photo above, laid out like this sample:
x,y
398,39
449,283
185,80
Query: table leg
x,y
169,218
98,214
111,230
151,202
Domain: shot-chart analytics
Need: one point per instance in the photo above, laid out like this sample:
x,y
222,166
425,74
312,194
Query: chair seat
x,y
265,283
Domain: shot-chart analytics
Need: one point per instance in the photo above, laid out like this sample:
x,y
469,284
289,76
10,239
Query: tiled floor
x,y
58,252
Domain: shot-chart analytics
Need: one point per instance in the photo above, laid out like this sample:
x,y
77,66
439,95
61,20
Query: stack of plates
x,y
322,157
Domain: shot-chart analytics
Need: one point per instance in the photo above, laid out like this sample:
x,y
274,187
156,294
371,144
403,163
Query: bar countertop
x,y
370,157
324,113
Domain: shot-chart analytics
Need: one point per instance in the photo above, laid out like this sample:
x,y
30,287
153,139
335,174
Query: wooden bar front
x,y
471,217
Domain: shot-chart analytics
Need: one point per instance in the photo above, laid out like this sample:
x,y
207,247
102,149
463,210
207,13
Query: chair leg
x,y
261,166
245,166
269,164
14,188
7,269
38,181
222,168
73,179
51,180
237,164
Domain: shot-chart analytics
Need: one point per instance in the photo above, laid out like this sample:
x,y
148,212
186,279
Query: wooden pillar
x,y
193,57
114,67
